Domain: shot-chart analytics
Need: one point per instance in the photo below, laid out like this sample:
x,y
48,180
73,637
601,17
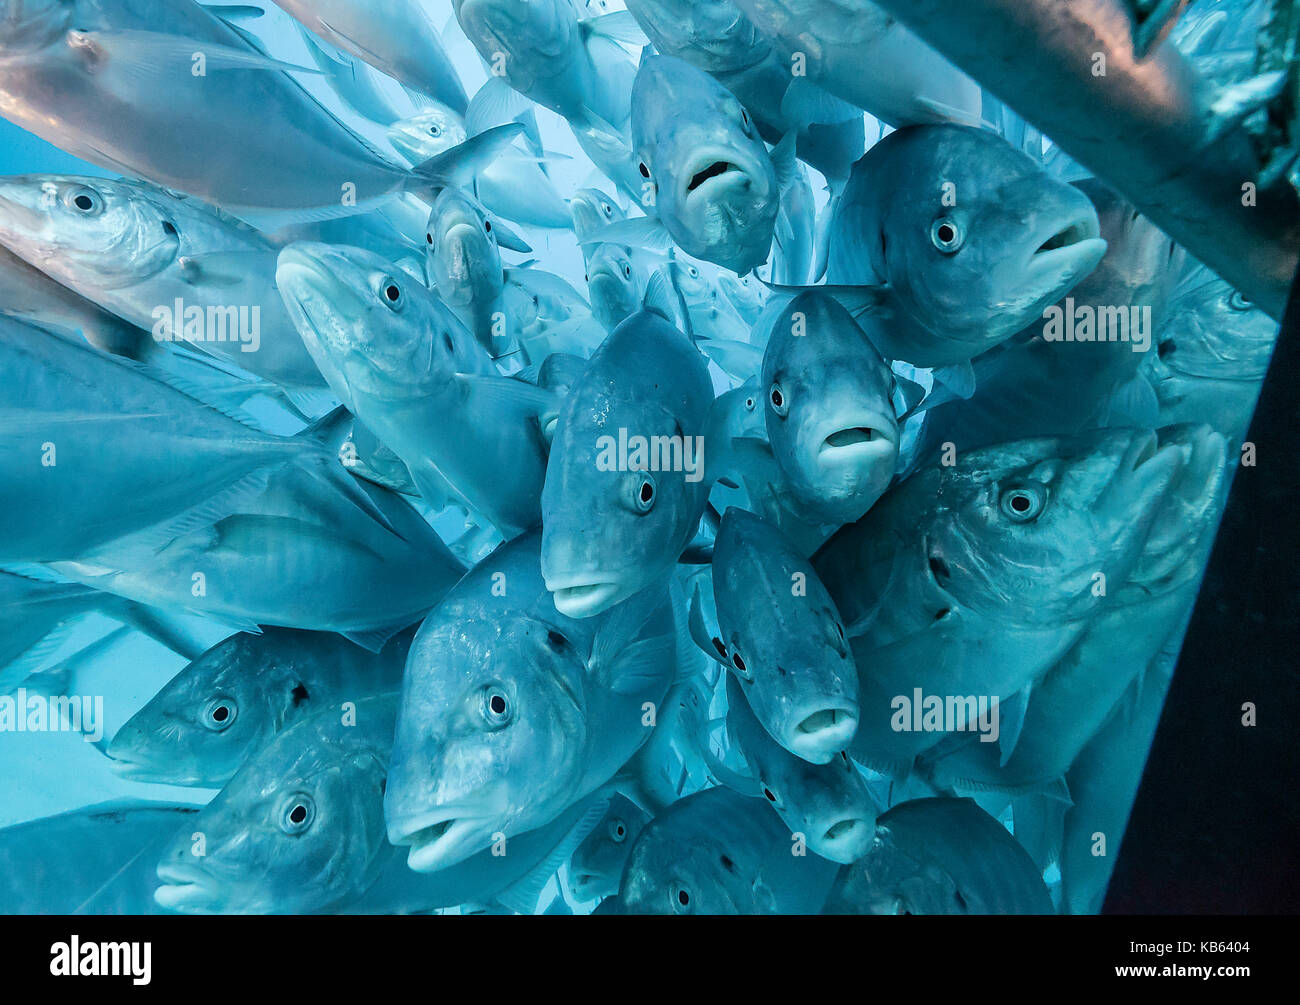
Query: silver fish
x,y
597,865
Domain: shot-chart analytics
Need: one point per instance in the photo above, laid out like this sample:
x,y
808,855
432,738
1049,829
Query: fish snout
x,y
842,838
819,730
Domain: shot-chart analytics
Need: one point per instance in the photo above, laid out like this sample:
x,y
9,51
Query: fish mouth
x,y
185,888
1070,249
585,885
440,843
823,732
1144,471
846,840
712,172
857,438
583,598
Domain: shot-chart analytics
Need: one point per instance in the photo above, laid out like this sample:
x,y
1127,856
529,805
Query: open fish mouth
x,y
823,732
1072,247
855,439
438,845
847,840
711,173
583,599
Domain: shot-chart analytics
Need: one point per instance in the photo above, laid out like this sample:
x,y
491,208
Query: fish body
x,y
597,864
940,856
612,524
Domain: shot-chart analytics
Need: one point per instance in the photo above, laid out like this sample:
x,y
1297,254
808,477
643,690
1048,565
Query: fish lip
x,y
737,172
442,843
582,596
184,888
846,840
823,731
883,430
1075,241
1143,472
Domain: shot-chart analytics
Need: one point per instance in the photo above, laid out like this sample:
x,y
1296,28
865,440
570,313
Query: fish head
x,y
206,720
745,294
27,26
529,34
298,829
433,131
715,187
463,259
828,402
1034,526
782,639
372,328
597,864
828,803
591,210
491,733
625,486
613,284
716,34
88,230
975,238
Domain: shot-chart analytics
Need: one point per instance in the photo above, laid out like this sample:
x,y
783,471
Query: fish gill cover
x,y
712,456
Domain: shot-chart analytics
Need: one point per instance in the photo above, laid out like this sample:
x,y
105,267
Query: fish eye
x,y
297,813
643,499
771,796
1239,303
391,293
780,404
428,238
85,200
1023,503
617,831
744,118
496,706
947,235
487,226
694,273
749,404
220,713
738,661
627,272
435,130
681,900
607,209
645,171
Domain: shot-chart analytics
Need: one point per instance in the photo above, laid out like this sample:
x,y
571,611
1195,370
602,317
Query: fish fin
x,y
639,667
618,25
958,378
857,300
628,667
458,165
211,511
36,573
656,297
637,232
35,658
507,238
540,281
508,394
735,780
310,402
699,631
494,104
421,101
785,162
522,895
330,430
154,56
1134,403
159,626
1012,712
807,104
373,639
908,397
223,269
235,11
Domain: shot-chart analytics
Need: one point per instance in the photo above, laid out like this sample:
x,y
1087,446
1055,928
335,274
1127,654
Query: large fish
x,y
1211,356
184,271
82,426
940,856
96,860
300,829
314,549
408,368
826,803
597,864
399,38
615,520
716,189
962,239
969,580
718,852
162,90
780,635
828,403
227,704
512,712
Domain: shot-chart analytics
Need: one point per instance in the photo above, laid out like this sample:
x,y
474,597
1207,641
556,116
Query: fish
x,y
962,239
974,578
828,405
512,712
28,294
1210,356
406,366
613,525
224,706
512,186
828,804
940,856
71,66
615,284
106,865
309,550
83,426
398,38
592,209
185,272
781,637
715,186
300,829
597,865
718,852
